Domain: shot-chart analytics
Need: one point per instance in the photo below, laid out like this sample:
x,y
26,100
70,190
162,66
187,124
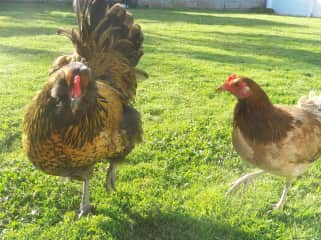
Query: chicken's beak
x,y
140,74
74,104
220,89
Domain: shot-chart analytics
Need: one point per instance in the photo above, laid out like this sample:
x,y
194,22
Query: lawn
x,y
174,184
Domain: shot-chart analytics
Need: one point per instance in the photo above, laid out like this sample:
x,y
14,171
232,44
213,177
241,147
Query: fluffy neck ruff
x,y
47,116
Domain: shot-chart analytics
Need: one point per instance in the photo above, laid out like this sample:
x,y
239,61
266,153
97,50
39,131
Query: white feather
x,y
311,103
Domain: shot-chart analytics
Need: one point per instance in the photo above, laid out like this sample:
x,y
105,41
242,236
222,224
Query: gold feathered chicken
x,y
83,114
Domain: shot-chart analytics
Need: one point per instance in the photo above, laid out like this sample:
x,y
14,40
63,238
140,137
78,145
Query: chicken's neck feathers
x,y
260,121
83,126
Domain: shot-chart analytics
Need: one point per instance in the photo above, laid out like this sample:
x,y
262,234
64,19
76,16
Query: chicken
x,y
84,112
282,140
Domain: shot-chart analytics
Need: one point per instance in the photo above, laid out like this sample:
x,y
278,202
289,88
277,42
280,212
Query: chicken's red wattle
x,y
76,90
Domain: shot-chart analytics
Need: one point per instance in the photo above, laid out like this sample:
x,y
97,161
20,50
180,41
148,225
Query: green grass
x,y
174,184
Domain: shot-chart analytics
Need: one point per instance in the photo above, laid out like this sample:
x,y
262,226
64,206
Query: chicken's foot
x,y
111,178
280,203
244,180
85,207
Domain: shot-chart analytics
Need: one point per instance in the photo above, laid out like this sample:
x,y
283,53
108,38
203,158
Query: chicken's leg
x,y
244,180
281,202
111,178
85,207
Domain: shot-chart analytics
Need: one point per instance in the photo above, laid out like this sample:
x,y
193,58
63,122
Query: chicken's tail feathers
x,y
311,103
102,29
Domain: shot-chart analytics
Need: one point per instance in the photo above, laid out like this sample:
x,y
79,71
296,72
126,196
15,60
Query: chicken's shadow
x,y
174,224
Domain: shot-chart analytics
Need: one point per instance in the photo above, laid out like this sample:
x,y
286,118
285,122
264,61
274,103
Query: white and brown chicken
x,y
281,140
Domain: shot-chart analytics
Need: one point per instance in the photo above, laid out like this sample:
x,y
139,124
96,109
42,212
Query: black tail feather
x,y
97,13
131,123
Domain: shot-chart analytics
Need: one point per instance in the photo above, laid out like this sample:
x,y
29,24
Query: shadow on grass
x,y
273,46
17,31
24,14
293,220
201,18
276,47
171,226
20,51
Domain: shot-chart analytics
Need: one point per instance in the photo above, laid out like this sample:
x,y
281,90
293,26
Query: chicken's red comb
x,y
232,77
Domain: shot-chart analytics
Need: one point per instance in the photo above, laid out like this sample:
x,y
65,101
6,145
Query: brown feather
x,y
258,119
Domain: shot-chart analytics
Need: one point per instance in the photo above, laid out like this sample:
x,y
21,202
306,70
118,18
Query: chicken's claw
x,y
247,178
281,202
85,210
